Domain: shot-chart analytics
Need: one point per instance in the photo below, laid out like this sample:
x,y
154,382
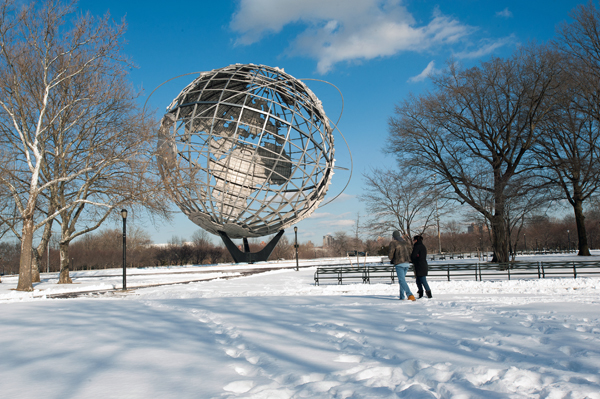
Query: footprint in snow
x,y
239,386
232,352
253,359
245,370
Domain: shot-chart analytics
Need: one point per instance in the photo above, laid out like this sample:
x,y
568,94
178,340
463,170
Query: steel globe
x,y
246,150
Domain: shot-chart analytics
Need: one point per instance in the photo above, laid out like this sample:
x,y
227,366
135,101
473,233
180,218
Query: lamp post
x,y
296,245
569,240
525,239
124,215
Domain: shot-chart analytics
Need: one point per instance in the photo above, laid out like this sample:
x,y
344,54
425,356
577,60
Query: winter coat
x,y
418,258
399,252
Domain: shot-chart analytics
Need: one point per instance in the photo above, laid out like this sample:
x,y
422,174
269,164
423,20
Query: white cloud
x,y
343,197
338,223
428,71
485,47
350,30
343,223
321,215
504,13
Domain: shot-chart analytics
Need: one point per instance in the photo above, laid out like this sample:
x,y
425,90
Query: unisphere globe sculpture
x,y
246,150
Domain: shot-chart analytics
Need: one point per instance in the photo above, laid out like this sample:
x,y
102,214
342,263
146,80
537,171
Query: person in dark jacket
x,y
399,255
418,258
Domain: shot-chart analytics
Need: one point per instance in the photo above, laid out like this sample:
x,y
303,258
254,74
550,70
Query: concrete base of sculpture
x,y
246,256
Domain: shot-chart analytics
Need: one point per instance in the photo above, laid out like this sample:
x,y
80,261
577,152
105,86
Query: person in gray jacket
x,y
399,255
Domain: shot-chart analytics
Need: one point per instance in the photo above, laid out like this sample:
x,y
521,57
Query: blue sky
x,y
376,52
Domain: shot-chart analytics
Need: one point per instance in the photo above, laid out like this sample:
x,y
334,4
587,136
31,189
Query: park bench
x,y
340,273
363,273
380,271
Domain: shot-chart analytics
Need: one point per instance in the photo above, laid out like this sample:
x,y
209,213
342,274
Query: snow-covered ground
x,y
277,335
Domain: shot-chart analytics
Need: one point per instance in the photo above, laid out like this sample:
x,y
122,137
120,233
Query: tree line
x,y
103,250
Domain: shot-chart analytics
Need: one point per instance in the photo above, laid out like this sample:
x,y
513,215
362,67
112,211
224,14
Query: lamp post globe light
x,y
124,216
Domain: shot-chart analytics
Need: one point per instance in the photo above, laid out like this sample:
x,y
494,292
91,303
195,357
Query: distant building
x,y
327,240
477,228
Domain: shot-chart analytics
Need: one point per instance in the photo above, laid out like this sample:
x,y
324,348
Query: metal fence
x,y
541,269
487,255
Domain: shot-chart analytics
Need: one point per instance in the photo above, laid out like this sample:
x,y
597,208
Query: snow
x,y
277,335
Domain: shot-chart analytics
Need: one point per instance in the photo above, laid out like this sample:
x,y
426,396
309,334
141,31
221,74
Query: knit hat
x,y
396,235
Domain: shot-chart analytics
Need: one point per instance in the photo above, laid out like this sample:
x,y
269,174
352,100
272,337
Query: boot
x,y
420,294
411,297
428,294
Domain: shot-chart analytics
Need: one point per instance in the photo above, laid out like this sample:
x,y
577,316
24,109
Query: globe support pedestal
x,y
247,256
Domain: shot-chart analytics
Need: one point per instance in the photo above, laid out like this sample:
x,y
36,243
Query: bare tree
x,y
200,238
570,155
115,143
341,244
284,249
70,119
201,246
581,37
357,228
477,128
521,205
397,201
570,149
31,52
308,251
9,257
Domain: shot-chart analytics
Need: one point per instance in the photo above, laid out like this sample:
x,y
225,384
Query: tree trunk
x,y
498,222
499,240
25,282
35,266
584,250
38,253
64,264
